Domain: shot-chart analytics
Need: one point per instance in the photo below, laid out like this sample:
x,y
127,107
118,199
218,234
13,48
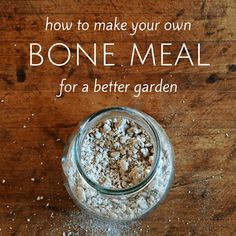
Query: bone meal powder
x,y
117,153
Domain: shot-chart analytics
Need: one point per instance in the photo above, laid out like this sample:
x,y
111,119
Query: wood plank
x,y
200,118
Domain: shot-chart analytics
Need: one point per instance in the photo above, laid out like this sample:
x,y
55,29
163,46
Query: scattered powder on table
x,y
78,223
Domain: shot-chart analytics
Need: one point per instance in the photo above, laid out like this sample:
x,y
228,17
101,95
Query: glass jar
x,y
119,204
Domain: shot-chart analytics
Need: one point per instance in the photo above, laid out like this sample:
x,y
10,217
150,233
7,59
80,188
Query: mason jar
x,y
125,204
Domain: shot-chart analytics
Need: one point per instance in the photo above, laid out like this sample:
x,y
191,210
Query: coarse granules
x,y
117,153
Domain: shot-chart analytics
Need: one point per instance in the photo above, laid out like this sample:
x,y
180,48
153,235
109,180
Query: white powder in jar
x,y
117,153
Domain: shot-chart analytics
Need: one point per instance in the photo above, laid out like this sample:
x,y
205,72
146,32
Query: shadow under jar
x,y
120,204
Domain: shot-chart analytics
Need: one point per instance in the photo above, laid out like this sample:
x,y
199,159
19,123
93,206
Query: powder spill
x,y
78,223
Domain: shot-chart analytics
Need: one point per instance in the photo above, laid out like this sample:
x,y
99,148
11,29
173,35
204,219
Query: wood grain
x,y
200,118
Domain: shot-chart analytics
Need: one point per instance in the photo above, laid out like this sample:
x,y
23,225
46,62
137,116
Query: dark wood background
x,y
200,118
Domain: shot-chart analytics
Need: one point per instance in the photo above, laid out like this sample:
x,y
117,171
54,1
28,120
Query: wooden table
x,y
200,118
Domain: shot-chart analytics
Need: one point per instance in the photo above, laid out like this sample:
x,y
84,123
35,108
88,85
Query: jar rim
x,y
119,191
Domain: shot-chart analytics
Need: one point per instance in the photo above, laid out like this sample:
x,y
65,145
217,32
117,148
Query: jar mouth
x,y
115,112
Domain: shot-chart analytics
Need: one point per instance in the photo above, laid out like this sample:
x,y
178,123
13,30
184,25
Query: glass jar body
x,y
123,207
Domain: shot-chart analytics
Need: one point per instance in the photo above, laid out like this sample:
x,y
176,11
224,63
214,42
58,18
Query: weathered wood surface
x,y
200,118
